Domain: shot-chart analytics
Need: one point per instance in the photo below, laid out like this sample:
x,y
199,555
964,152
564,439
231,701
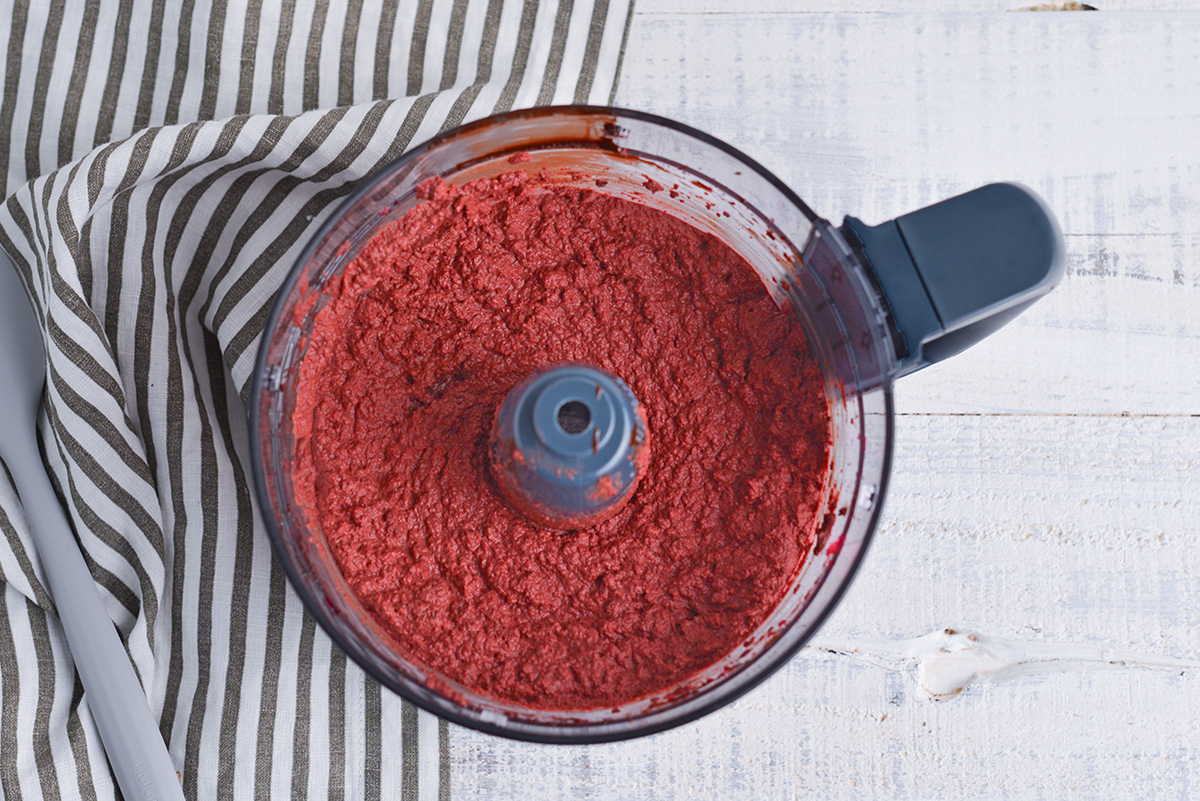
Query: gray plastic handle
x,y
128,730
130,734
957,271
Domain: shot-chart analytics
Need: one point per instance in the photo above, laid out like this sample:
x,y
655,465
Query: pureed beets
x,y
448,308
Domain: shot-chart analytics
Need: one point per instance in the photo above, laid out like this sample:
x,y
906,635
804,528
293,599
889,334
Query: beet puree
x,y
437,319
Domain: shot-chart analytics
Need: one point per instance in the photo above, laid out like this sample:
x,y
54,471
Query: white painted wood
x,y
1046,483
1120,335
875,115
646,8
1059,535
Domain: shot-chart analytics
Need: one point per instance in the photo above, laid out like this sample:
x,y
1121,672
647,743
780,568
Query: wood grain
x,y
1048,529
1120,335
746,7
876,115
1045,483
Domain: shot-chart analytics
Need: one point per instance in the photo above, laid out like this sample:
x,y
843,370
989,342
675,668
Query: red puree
x,y
446,310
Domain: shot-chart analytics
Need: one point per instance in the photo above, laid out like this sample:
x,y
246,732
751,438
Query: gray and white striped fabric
x,y
164,162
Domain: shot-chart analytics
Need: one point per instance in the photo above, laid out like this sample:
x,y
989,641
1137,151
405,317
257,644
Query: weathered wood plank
x,y
849,731
875,115
1024,506
1120,335
646,8
1080,531
1063,527
878,114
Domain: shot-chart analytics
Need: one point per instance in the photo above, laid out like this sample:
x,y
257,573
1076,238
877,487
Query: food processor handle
x,y
955,272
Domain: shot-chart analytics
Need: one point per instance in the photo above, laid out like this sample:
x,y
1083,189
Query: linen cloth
x,y
164,163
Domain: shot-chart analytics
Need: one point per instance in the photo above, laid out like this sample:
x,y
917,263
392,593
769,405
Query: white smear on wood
x,y
946,662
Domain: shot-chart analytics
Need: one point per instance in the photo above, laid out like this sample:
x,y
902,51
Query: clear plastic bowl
x,y
805,264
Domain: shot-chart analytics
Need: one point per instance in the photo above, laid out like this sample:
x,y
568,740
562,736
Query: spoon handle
x,y
127,728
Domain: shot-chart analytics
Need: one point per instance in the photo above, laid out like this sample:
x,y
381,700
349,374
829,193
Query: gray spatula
x,y
130,734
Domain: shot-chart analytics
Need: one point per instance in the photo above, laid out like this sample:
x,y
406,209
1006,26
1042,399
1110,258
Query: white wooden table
x,y
1045,484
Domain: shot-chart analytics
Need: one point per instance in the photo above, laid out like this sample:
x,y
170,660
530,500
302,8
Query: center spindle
x,y
569,445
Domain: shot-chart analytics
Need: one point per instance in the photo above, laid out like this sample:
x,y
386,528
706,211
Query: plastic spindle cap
x,y
569,446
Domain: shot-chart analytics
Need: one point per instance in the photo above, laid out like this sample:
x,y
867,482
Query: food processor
x,y
875,303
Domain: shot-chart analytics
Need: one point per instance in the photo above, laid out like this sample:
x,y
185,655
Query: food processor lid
x,y
957,271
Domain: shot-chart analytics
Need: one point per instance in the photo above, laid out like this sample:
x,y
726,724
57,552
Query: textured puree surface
x,y
447,309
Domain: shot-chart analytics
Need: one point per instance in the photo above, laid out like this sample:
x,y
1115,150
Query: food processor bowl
x,y
835,283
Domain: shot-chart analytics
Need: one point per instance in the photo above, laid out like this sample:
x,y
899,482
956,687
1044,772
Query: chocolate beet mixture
x,y
446,310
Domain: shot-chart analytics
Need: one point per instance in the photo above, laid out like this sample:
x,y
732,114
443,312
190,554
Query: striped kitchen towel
x,y
164,162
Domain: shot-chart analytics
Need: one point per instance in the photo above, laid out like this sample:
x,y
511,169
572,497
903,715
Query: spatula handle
x,y
127,728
